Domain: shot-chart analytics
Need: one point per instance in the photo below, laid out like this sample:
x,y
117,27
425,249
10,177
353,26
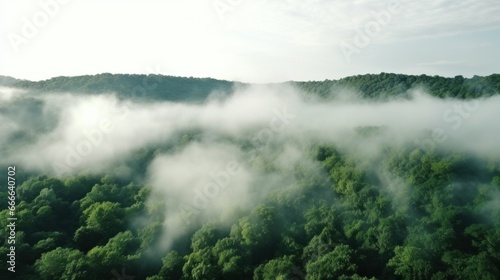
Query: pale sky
x,y
249,40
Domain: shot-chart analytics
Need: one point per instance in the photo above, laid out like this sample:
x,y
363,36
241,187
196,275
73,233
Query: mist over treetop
x,y
219,180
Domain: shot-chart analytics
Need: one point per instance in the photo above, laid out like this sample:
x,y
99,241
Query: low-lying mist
x,y
217,159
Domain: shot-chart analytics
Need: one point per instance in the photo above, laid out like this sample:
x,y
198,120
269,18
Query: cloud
x,y
88,133
241,147
7,94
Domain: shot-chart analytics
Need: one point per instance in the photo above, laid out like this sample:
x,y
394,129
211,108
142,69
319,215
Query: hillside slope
x,y
159,87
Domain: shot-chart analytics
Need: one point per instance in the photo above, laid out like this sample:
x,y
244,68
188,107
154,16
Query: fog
x,y
242,146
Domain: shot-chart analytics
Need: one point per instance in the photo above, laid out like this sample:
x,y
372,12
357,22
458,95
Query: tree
x,y
103,220
410,263
230,258
106,217
331,265
465,266
205,237
200,265
61,263
279,269
172,266
30,189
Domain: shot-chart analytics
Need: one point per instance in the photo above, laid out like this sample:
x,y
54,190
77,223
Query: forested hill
x,y
144,87
261,185
388,85
159,87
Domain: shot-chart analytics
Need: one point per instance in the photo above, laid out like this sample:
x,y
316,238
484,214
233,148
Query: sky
x,y
250,41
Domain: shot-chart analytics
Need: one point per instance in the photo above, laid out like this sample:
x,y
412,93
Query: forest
x,y
158,87
383,176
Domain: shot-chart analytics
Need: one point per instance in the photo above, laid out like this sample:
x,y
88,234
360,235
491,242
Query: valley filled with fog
x,y
255,181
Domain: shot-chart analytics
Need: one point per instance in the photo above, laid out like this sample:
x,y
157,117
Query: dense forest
x,y
315,208
139,87
387,85
159,87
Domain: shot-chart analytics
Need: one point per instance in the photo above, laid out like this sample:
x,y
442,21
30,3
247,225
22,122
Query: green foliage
x,y
387,85
411,263
331,265
172,266
158,87
279,269
138,87
406,214
60,263
200,265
